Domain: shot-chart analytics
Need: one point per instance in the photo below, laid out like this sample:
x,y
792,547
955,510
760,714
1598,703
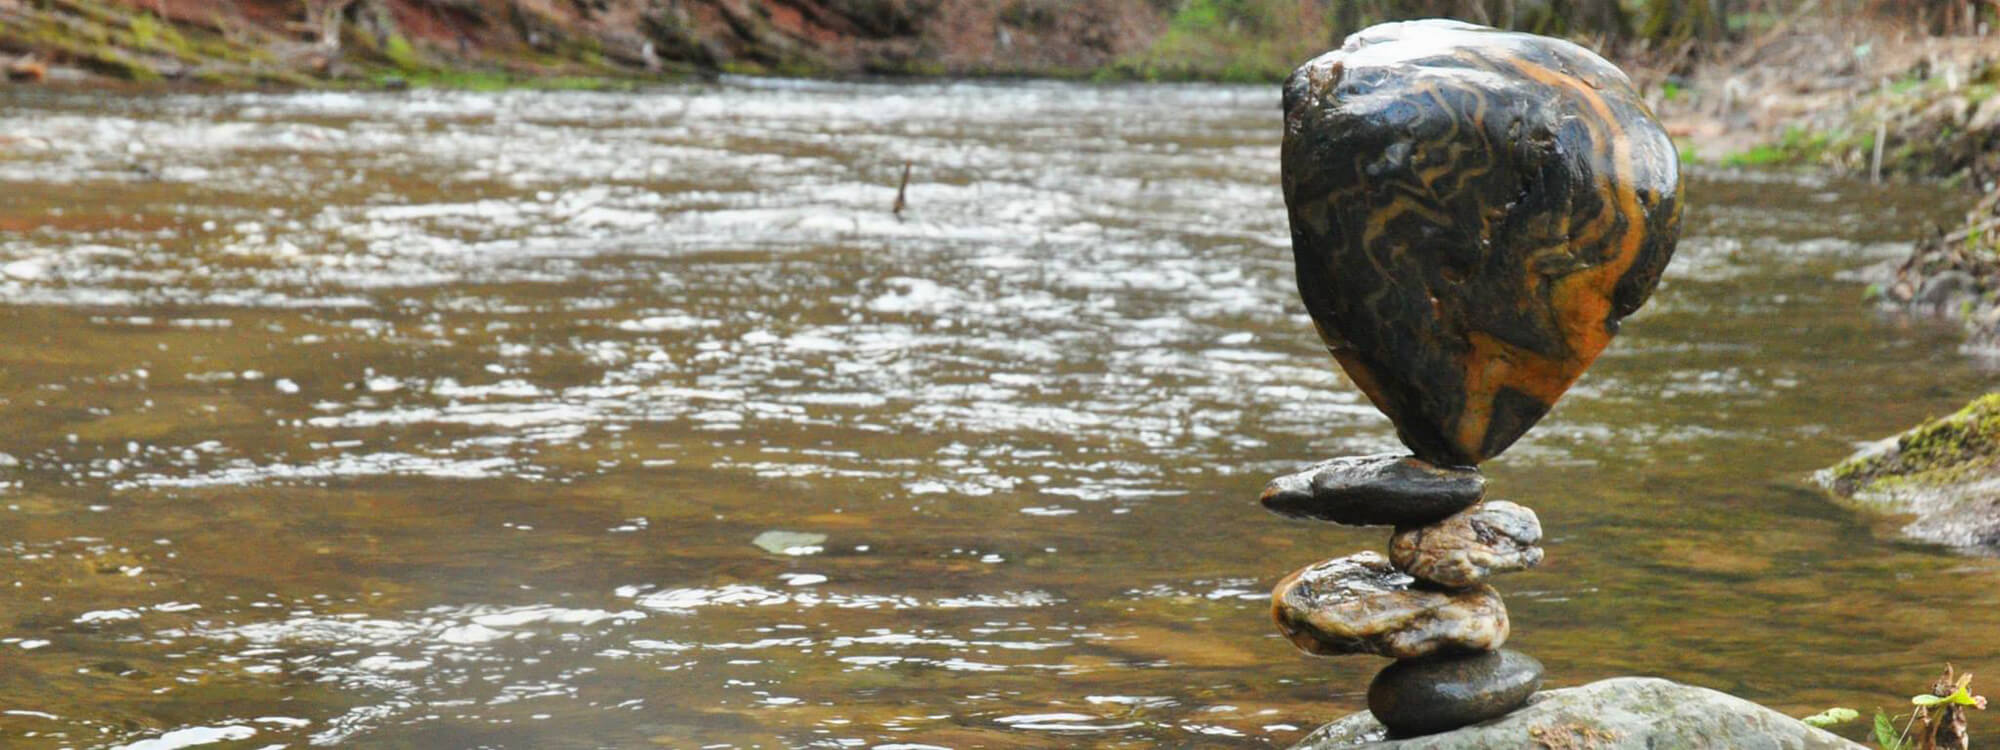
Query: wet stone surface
x,y
1382,490
1425,696
1360,604
1492,537
1472,213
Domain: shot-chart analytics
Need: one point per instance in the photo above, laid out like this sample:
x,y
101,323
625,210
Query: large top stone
x,y
1472,212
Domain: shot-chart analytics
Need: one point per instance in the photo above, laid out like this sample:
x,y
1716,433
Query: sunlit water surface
x,y
452,420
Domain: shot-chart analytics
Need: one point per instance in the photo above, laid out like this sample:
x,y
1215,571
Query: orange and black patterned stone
x,y
1473,211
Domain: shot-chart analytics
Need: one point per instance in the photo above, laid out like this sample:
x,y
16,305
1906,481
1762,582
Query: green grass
x,y
1235,41
1797,146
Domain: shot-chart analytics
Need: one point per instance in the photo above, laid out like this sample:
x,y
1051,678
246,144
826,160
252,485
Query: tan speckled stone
x,y
1492,537
1360,604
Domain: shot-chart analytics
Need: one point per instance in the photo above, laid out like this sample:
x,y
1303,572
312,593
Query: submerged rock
x,y
1492,537
1381,490
780,542
1945,473
1626,713
1953,276
1441,693
1360,604
1472,213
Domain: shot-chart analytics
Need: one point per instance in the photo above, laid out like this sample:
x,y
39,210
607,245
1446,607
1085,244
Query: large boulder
x,y
1626,713
1943,475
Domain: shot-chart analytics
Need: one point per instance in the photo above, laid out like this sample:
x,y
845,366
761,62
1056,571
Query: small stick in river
x,y
901,190
1875,165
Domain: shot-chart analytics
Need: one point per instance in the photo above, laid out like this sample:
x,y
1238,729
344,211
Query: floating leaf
x,y
1831,717
778,542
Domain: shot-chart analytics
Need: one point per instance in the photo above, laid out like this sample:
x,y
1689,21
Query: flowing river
x,y
567,420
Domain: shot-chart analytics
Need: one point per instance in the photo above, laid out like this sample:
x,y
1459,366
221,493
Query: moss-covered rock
x,y
1945,473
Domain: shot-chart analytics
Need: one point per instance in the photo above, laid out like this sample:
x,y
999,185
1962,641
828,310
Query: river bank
x,y
1799,90
483,43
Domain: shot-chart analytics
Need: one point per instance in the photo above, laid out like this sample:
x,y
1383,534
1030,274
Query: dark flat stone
x,y
1382,490
1360,604
1426,696
1472,213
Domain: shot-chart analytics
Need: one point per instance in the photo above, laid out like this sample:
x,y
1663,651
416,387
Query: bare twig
x,y
902,191
1875,166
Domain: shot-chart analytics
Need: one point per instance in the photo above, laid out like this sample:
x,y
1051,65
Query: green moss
x,y
145,30
401,54
1936,452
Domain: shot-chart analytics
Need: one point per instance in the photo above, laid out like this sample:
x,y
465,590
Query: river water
x,y
551,420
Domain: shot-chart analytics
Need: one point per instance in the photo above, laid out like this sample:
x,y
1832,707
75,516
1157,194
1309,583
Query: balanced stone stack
x,y
1473,212
1427,604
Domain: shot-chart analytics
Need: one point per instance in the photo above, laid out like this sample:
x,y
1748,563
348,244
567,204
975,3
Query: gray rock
x,y
1943,292
1388,489
1626,713
1986,117
1492,537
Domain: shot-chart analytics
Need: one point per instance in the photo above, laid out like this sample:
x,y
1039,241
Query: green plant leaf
x,y
1926,701
1831,717
1885,733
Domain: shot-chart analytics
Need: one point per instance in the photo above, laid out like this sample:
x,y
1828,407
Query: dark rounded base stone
x,y
1438,694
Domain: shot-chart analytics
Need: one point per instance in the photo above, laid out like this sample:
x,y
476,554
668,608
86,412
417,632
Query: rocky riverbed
x,y
1952,274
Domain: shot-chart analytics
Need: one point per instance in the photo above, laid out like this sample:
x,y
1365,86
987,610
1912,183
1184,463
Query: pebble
x,y
1360,604
1492,537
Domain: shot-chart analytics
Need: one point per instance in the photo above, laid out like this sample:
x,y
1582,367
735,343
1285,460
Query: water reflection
x,y
573,420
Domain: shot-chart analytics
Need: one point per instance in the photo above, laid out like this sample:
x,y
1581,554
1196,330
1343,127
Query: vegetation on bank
x,y
484,43
307,43
1933,124
1937,718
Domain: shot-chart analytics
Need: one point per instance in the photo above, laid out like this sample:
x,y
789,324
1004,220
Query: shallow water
x,y
452,420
